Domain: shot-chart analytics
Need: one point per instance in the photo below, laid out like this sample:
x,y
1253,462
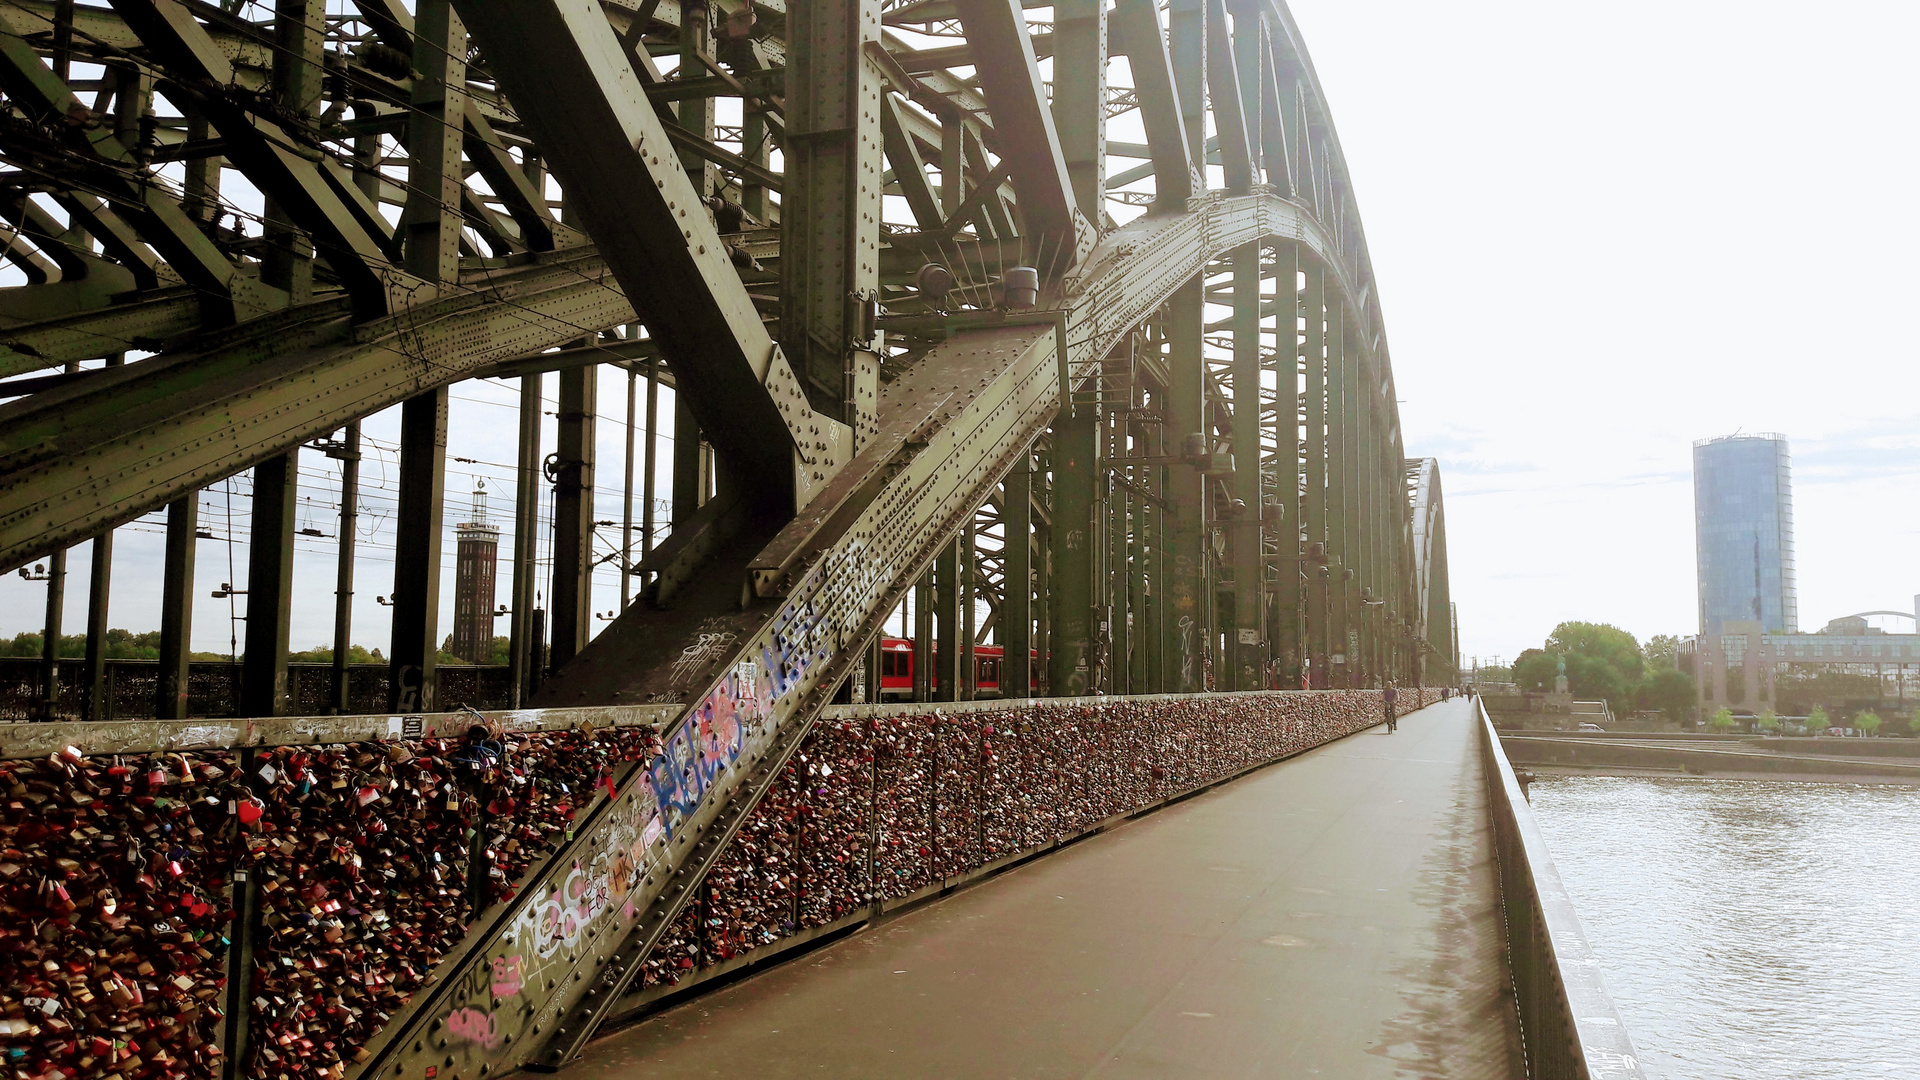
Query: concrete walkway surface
x,y
1334,915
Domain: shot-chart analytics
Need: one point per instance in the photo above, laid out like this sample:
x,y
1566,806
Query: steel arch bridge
x,y
1061,311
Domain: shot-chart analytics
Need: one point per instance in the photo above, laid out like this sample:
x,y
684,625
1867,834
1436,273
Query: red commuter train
x,y
896,669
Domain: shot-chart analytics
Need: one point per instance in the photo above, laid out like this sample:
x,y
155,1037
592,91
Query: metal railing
x,y
1568,1022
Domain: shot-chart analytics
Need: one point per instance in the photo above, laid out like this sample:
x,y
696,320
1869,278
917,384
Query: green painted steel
x,y
1098,426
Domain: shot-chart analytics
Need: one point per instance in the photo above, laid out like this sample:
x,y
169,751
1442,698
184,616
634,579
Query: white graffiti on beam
x,y
700,655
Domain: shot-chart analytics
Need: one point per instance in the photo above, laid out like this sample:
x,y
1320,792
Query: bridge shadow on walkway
x,y
1334,915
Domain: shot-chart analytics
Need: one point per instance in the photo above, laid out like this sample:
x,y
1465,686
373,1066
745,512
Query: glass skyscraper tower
x,y
1743,532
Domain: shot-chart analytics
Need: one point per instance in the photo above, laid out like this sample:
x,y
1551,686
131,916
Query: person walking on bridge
x,y
1386,697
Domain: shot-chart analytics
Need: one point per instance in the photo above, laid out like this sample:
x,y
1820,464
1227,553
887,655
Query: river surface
x,y
1749,930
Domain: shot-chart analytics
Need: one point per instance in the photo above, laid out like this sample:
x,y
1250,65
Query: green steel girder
x,y
948,429
227,295
145,323
1028,138
797,593
1137,23
84,457
351,241
574,84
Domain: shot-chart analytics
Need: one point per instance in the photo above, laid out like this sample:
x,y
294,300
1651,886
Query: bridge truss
x,y
936,329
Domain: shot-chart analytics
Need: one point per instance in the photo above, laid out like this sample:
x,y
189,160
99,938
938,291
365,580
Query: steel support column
x,y
1080,95
95,704
1138,26
1187,47
923,674
176,609
1340,529
341,694
1030,145
626,495
263,678
650,461
299,66
521,648
572,601
1071,595
411,684
1249,645
1188,580
830,215
968,587
692,464
1370,527
1288,610
573,84
1313,356
50,634
1016,603
1115,598
431,221
946,618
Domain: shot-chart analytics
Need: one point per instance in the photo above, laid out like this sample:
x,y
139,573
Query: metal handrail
x,y
1568,1022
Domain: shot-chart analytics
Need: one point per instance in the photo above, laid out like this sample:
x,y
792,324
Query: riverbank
x,y
1559,753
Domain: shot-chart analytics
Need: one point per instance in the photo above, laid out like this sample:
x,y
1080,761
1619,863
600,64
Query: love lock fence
x,y
274,898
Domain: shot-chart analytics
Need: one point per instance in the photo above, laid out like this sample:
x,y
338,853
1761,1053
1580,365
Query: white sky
x,y
1601,232
1605,230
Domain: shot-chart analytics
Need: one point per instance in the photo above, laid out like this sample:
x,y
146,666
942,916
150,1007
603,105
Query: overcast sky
x,y
1605,230
1601,232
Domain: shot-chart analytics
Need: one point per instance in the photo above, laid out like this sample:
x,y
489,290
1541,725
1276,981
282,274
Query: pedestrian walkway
x,y
1334,915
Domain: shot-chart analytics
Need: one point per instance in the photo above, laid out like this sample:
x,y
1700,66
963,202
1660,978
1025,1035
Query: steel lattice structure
x,y
942,335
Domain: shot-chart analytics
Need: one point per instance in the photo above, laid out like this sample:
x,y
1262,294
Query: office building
x,y
1743,532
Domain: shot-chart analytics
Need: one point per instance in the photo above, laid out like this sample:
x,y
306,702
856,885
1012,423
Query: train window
x,y
989,670
893,665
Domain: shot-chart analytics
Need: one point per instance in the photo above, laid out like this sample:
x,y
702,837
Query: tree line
x,y
1606,663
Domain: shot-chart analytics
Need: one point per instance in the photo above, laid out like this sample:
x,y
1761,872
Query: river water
x,y
1749,929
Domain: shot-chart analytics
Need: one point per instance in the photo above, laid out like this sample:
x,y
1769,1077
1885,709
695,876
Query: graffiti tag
x,y
474,1026
507,979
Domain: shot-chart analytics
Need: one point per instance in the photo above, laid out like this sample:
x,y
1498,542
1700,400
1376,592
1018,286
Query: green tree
x,y
1602,661
1662,650
1721,721
1817,721
1868,722
1592,647
72,646
1533,670
323,654
1768,722
1666,691
1913,723
1836,691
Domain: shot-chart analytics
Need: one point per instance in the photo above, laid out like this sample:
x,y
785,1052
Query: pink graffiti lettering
x,y
506,976
473,1026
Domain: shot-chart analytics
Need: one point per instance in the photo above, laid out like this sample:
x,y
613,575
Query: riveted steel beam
x,y
127,441
315,199
226,294
571,80
837,120
1028,139
1138,26
1223,91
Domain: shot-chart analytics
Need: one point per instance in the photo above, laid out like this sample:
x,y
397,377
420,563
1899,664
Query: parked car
x,y
1591,727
